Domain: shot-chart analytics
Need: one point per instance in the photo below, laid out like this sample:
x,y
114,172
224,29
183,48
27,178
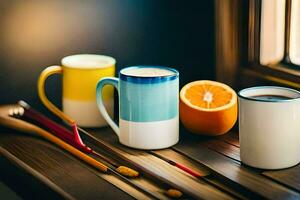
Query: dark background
x,y
37,34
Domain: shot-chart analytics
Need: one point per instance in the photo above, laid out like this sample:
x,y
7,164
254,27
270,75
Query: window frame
x,y
239,66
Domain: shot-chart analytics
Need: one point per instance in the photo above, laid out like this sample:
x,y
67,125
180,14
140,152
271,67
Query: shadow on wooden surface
x,y
68,177
216,157
224,161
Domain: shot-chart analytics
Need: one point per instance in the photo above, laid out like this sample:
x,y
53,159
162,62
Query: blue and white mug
x,y
148,105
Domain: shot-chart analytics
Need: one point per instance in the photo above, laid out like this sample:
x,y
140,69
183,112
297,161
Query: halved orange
x,y
208,107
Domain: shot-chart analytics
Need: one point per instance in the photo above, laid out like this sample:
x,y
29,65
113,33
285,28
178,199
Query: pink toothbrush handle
x,y
58,130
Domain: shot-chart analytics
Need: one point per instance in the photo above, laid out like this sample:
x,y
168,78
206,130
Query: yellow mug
x,y
80,76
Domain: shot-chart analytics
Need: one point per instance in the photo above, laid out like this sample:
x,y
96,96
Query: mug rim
x,y
240,95
148,79
110,61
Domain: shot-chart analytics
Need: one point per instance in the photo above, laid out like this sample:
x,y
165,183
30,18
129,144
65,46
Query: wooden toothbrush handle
x,y
23,126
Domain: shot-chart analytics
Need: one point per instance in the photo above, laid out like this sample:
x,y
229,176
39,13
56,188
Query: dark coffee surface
x,y
271,97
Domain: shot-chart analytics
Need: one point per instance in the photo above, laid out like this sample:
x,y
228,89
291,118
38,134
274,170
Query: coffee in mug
x,y
148,97
270,97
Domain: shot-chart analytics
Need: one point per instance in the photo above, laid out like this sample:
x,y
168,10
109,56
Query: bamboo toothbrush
x,y
73,139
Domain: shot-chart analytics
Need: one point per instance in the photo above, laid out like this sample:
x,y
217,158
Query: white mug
x,y
269,127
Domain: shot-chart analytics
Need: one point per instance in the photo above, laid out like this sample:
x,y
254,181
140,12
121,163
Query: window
x,y
263,43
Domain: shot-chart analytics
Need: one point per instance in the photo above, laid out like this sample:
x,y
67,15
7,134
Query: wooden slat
x,y
162,170
177,157
227,145
231,138
37,186
223,148
64,171
236,192
289,177
233,171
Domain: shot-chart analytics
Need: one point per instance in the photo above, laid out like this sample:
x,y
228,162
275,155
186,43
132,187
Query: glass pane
x,y
272,33
295,33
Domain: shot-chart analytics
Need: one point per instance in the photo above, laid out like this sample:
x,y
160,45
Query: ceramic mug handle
x,y
99,88
41,92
